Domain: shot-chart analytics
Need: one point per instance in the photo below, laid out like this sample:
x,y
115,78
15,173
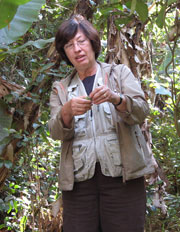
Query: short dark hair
x,y
68,30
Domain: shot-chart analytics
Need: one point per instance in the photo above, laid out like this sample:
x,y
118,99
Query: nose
x,y
76,47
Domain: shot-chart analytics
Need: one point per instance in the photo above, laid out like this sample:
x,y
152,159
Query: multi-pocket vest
x,y
95,138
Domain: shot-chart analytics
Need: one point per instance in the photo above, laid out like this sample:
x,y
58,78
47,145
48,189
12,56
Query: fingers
x,y
100,94
80,105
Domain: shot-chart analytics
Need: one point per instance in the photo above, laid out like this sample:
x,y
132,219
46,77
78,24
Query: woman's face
x,y
79,51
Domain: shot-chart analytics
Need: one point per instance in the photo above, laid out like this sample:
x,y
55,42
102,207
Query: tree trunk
x,y
85,8
125,47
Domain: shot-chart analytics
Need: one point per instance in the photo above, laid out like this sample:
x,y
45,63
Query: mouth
x,y
80,58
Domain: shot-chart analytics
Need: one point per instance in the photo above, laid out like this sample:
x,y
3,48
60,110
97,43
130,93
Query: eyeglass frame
x,y
79,42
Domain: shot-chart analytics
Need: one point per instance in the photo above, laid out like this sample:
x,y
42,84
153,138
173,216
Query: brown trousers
x,y
105,204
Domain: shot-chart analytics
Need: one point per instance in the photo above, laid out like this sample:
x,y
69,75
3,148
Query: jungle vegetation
x,y
143,34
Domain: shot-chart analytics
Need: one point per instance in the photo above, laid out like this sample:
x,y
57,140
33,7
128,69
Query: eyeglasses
x,y
80,43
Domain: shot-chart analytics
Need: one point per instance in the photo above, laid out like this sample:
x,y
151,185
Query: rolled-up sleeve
x,y
137,106
55,124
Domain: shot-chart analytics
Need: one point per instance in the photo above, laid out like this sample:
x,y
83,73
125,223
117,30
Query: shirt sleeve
x,y
56,126
129,86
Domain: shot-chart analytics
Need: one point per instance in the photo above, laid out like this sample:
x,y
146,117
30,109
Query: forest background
x,y
143,34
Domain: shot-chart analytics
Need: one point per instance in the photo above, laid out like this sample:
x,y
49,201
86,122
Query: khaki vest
x,y
95,136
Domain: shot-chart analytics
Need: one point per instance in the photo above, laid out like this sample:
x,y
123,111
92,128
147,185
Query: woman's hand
x,y
75,106
104,94
80,105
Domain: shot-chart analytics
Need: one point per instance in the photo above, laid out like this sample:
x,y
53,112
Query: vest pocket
x,y
107,110
138,160
78,156
113,150
78,164
106,117
80,125
139,139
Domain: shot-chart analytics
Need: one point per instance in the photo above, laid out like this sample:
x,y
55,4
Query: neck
x,y
87,72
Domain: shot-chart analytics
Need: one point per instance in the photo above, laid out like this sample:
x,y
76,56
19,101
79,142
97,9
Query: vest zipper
x,y
94,132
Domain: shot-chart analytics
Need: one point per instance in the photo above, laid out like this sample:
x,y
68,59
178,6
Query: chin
x,y
83,63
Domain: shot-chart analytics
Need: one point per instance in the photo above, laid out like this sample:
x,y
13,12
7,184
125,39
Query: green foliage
x,y
138,7
23,19
41,43
8,10
161,17
32,186
142,10
166,148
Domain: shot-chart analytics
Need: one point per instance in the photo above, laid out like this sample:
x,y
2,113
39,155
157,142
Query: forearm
x,y
132,109
66,115
137,110
57,128
119,101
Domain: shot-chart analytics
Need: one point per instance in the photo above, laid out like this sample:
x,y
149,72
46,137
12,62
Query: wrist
x,y
119,100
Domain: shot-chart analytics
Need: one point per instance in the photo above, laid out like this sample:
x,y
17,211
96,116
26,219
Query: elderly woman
x,y
96,112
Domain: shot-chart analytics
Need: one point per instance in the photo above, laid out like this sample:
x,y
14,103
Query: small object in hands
x,y
88,98
105,95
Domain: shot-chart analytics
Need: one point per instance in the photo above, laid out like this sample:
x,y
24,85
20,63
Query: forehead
x,y
79,34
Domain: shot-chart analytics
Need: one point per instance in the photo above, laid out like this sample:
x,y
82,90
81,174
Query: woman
x,y
96,112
